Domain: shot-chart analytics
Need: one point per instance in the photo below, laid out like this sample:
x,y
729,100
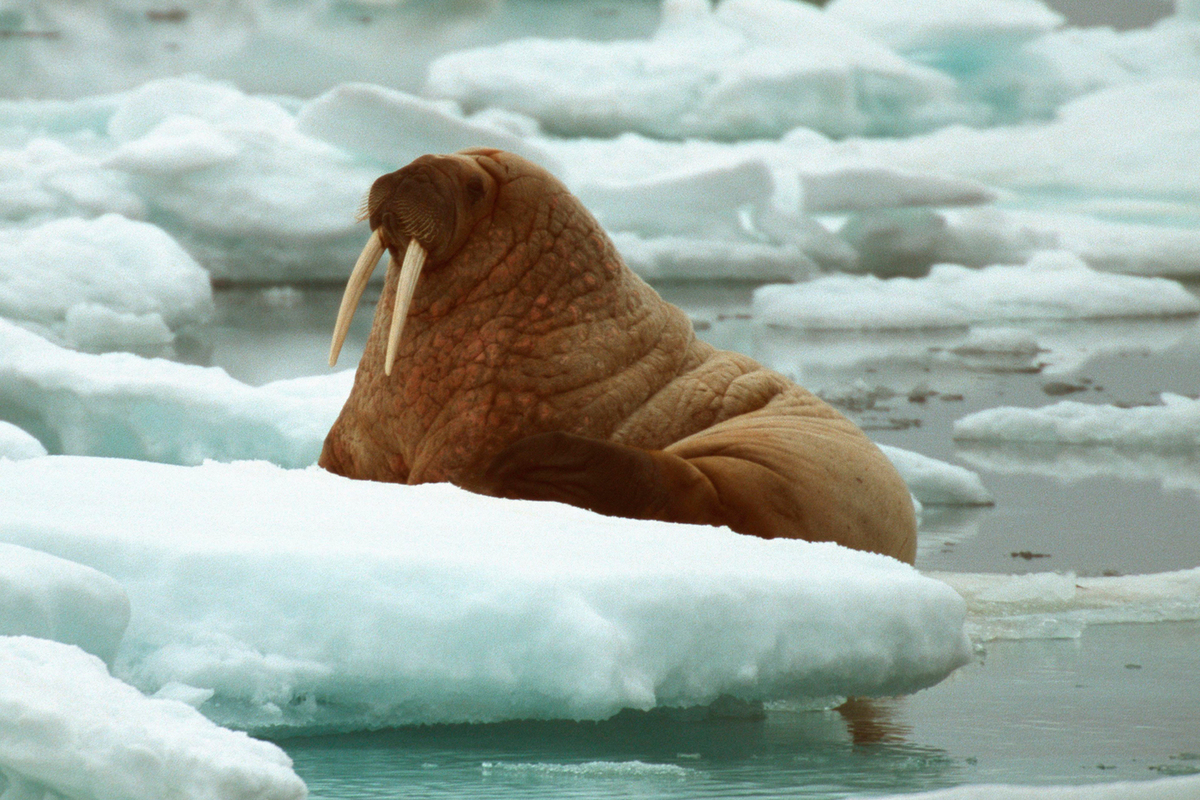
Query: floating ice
x,y
47,179
1050,605
69,729
17,444
119,404
935,482
1136,141
52,598
102,284
748,68
305,600
393,128
1053,285
1173,427
977,237
231,176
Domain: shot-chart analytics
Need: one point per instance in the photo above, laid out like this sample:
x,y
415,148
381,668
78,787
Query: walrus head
x,y
425,210
510,314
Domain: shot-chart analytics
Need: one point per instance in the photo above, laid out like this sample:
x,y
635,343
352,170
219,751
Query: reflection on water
x,y
783,754
1116,704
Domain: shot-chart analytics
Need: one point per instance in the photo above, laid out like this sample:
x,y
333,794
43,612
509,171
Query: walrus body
x,y
534,364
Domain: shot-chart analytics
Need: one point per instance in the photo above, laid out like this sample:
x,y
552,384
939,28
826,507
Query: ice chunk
x,y
102,284
1173,427
748,68
46,179
1053,285
231,176
1050,605
1130,141
118,404
935,482
852,188
308,601
393,128
689,258
976,237
68,728
52,598
17,444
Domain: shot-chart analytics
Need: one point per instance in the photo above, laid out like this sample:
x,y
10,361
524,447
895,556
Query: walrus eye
x,y
474,190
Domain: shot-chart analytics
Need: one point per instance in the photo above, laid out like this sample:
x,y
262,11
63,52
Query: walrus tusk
x,y
414,260
372,252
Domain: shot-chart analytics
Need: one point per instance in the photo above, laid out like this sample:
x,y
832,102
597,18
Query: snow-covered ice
x,y
1173,427
311,601
15,443
1052,285
119,404
52,598
102,284
937,25
69,729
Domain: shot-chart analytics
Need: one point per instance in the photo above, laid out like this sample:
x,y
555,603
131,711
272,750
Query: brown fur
x,y
535,365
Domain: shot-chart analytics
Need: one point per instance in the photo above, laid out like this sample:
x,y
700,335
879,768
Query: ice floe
x,y
119,404
103,284
748,68
69,729
1052,285
306,600
1051,605
1170,428
51,598
935,482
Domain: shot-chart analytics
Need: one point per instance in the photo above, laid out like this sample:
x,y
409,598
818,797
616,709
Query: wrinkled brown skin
x,y
534,364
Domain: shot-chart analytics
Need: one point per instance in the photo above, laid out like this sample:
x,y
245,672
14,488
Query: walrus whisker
x,y
414,261
372,252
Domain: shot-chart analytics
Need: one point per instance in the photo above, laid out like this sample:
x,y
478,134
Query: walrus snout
x,y
427,209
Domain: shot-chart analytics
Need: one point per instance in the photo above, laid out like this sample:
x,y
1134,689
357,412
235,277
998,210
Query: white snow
x,y
46,178
16,444
1053,285
119,404
937,483
1170,428
103,284
745,69
69,729
1181,788
52,598
310,601
1051,605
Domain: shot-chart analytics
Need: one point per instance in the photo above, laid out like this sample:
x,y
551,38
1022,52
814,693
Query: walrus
x,y
514,354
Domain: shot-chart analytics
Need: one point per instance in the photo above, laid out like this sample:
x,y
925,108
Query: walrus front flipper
x,y
612,479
